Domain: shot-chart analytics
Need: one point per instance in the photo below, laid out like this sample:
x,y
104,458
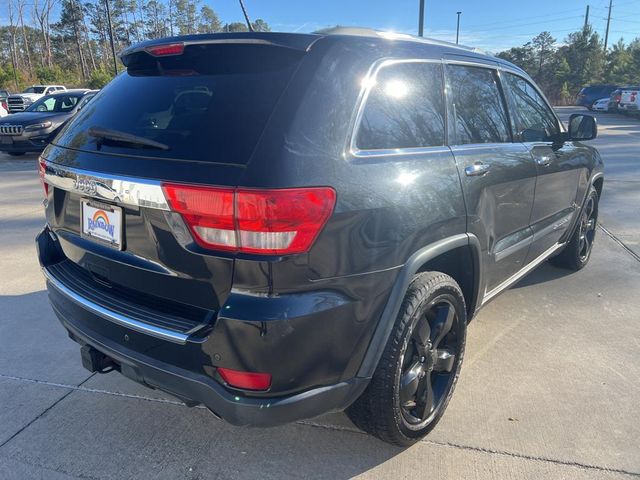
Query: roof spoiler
x,y
300,43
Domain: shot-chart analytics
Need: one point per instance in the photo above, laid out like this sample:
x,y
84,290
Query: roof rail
x,y
371,32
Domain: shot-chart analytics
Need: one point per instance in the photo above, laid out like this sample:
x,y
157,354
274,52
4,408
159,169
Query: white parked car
x,y
3,112
601,105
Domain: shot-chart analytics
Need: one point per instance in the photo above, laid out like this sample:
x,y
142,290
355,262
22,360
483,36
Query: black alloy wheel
x,y
419,367
577,252
587,228
428,363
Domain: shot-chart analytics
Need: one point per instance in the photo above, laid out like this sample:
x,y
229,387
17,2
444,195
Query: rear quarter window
x,y
404,108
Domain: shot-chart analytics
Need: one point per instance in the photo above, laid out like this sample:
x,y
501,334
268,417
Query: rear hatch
x,y
190,112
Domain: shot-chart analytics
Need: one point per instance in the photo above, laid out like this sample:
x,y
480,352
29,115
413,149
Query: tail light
x,y
245,380
41,170
4,105
267,222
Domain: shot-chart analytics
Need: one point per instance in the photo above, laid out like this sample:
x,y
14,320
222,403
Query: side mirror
x,y
582,127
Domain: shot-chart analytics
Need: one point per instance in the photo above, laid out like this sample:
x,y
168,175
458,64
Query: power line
x,y
518,25
546,15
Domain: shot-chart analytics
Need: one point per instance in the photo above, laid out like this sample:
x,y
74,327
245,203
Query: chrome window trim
x,y
122,190
114,317
368,82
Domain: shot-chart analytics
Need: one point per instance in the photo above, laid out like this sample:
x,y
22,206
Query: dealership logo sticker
x,y
100,221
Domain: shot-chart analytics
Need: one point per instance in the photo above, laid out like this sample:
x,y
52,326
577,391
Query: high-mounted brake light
x,y
41,171
245,380
166,49
267,222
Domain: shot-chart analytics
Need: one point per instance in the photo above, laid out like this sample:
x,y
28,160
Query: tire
x,y
419,368
577,253
16,154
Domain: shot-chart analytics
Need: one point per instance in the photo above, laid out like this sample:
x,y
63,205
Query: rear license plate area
x,y
101,222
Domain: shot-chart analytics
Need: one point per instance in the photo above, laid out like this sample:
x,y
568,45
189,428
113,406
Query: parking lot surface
x,y
550,387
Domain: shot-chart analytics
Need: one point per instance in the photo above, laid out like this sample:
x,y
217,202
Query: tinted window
x,y
404,109
480,116
34,90
54,103
209,104
533,119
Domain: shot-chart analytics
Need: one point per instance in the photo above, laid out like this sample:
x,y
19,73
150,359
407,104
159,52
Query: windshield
x,y
209,104
34,90
54,103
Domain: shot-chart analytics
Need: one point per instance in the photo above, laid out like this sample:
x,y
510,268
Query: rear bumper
x,y
35,145
307,347
201,389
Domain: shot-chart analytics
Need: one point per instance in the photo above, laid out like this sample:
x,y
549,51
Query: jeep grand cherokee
x,y
284,225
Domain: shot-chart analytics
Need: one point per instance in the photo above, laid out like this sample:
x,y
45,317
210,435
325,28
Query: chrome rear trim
x,y
115,317
135,192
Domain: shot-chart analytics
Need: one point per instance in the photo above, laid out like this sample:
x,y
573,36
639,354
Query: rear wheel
x,y
576,254
419,367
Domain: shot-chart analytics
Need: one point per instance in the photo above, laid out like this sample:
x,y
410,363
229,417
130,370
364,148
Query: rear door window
x,y
479,111
404,109
533,120
209,104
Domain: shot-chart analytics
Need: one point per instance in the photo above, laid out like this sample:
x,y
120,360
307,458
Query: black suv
x,y
283,225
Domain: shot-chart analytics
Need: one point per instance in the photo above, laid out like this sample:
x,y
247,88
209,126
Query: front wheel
x,y
576,254
417,373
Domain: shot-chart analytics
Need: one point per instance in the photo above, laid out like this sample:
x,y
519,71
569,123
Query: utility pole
x,y
113,48
246,17
606,33
421,20
586,18
458,27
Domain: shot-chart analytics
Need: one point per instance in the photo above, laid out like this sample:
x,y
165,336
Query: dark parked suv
x,y
284,225
591,94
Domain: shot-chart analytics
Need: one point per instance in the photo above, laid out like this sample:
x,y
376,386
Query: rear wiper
x,y
123,137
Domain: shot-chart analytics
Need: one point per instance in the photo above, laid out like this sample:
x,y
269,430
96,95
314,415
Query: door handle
x,y
544,160
477,169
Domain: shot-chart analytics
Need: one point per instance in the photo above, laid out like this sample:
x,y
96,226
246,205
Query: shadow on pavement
x,y
161,438
544,273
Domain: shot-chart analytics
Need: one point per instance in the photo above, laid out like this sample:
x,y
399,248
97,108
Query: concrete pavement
x,y
550,387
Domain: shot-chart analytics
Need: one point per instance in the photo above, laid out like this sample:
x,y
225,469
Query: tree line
x,y
561,70
74,48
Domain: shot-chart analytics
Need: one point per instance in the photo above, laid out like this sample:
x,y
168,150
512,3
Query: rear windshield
x,y
209,104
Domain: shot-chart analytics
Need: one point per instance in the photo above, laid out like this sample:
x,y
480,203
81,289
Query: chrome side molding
x,y
135,192
521,273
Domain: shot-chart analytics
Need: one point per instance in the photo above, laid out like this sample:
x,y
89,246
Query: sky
x,y
491,25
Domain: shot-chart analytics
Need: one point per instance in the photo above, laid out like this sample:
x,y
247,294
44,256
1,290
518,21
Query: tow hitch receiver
x,y
96,361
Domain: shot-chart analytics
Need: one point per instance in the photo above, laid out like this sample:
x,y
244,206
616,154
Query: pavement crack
x,y
535,458
41,414
489,451
313,424
620,242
